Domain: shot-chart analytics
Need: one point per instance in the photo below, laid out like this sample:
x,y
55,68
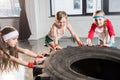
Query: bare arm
x,y
14,59
112,38
111,43
54,33
73,34
21,62
27,52
38,58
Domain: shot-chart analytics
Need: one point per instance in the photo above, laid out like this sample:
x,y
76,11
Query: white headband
x,y
10,35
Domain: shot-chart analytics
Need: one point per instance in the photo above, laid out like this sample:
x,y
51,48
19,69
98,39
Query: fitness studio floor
x,y
38,46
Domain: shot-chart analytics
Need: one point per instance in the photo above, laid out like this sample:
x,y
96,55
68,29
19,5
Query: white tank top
x,y
59,34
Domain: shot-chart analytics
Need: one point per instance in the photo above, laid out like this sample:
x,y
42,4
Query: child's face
x,y
12,42
100,21
61,23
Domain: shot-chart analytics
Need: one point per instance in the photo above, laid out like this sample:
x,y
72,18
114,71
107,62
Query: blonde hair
x,y
60,14
100,13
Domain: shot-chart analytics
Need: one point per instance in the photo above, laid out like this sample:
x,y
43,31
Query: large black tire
x,y
59,65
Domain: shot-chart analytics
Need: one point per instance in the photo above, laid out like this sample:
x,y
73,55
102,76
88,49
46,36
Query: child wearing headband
x,y
58,29
103,28
9,58
9,50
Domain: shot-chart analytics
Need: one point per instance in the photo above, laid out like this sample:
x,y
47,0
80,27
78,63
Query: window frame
x,y
69,14
104,6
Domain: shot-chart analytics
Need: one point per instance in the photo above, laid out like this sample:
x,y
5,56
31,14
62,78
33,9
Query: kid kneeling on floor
x,y
103,27
58,29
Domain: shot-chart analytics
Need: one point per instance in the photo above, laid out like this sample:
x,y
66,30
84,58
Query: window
x,y
72,7
92,5
9,8
111,6
75,7
84,7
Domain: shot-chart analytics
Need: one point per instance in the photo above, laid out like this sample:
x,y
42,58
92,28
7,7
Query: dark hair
x,y
7,29
6,63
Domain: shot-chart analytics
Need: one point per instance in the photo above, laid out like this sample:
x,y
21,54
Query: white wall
x,y
37,12
10,22
40,21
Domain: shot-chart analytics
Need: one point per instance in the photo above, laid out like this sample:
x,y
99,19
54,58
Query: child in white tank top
x,y
57,31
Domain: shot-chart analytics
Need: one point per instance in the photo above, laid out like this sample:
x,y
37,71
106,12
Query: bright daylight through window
x,y
9,8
